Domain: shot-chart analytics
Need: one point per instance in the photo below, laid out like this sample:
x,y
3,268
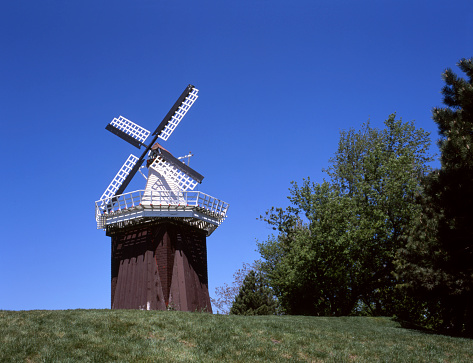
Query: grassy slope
x,y
150,336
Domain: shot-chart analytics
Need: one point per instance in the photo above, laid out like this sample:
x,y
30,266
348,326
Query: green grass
x,y
154,336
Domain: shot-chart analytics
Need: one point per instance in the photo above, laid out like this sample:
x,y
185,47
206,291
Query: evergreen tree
x,y
225,295
254,298
437,263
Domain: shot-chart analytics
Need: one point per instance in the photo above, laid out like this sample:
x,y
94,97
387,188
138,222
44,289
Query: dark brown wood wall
x,y
159,266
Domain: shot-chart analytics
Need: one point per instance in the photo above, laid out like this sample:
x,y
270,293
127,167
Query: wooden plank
x,y
159,263
117,289
174,295
136,285
160,301
142,281
150,303
121,288
131,284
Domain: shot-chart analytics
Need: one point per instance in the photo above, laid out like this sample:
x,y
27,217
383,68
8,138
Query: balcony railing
x,y
157,199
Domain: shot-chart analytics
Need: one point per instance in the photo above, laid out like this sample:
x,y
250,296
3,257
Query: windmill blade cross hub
x,y
136,135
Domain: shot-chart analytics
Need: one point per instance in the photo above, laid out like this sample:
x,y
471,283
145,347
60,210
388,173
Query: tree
x,y
254,298
340,261
437,261
226,294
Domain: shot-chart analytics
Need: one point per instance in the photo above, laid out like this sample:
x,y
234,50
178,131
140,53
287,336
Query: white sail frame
x,y
130,128
179,114
119,178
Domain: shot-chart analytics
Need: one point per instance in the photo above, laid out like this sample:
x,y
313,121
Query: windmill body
x,y
159,257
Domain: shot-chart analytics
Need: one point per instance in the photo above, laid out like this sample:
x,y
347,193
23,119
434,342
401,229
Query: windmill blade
x,y
122,175
177,112
130,176
128,131
180,165
136,135
171,171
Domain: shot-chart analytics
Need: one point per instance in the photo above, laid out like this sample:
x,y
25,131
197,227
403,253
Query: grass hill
x,y
172,336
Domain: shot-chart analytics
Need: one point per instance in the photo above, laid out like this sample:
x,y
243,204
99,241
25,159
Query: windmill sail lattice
x,y
128,131
130,128
183,181
118,180
179,114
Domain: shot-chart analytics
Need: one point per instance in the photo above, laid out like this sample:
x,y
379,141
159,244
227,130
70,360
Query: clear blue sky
x,y
278,80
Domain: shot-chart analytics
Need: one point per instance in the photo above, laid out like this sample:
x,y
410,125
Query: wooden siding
x,y
158,266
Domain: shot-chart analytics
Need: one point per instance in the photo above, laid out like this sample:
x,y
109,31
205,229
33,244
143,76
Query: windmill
x,y
159,256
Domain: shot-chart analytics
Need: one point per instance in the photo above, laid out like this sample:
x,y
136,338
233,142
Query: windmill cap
x,y
157,146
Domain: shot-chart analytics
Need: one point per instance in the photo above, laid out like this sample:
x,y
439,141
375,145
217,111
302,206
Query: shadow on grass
x,y
421,329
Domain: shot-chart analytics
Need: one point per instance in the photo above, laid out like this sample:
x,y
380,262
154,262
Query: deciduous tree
x,y
340,260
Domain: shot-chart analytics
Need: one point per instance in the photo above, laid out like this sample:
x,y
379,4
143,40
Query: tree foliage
x,y
437,262
225,295
340,260
254,297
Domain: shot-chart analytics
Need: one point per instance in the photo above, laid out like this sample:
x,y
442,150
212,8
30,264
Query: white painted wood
x,y
173,175
119,178
161,189
130,128
179,114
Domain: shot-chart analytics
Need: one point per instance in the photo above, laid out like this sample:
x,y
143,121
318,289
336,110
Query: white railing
x,y
158,199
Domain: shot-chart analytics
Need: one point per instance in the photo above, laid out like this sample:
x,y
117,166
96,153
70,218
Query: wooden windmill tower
x,y
159,253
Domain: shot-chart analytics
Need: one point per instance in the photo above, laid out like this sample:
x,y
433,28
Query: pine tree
x,y
437,263
254,298
225,295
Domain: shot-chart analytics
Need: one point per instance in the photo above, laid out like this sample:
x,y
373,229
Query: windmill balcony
x,y
190,207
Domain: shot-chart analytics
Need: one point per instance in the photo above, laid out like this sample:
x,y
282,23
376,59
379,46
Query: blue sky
x,y
278,80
